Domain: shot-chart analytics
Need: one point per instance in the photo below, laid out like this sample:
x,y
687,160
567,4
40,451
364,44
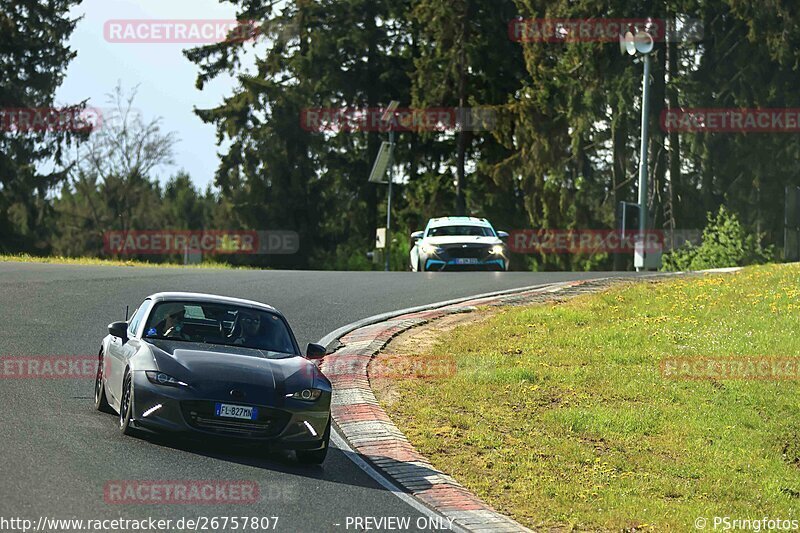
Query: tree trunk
x,y
619,189
461,202
674,189
369,190
658,151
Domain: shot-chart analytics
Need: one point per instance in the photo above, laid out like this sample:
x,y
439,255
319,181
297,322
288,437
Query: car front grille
x,y
459,252
200,415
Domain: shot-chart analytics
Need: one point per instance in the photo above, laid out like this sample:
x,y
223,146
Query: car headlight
x,y
497,250
428,249
160,378
306,395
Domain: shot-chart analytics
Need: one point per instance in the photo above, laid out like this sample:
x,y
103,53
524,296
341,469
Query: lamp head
x,y
643,42
387,113
626,43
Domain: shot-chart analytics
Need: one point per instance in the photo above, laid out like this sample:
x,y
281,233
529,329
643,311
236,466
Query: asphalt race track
x,y
58,452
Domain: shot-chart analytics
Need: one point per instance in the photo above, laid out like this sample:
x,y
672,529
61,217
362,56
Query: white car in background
x,y
458,243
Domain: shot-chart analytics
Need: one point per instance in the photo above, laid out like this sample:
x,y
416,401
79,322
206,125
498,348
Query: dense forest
x,y
561,150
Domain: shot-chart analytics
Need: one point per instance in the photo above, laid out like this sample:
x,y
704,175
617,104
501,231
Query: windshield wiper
x,y
169,339
215,343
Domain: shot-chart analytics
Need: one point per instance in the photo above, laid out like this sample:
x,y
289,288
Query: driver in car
x,y
171,326
251,326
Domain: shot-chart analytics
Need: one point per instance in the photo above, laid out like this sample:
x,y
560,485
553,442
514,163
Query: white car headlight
x,y
498,249
429,249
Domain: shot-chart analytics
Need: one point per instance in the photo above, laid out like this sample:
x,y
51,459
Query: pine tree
x,y
33,59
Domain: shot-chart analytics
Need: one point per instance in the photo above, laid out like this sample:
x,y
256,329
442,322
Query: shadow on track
x,y
246,454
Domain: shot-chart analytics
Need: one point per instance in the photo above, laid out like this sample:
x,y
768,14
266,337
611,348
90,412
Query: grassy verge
x,y
94,261
559,414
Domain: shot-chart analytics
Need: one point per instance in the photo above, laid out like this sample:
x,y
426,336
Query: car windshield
x,y
214,323
461,231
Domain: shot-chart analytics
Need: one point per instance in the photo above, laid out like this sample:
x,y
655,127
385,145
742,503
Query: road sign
x,y
381,163
380,238
628,217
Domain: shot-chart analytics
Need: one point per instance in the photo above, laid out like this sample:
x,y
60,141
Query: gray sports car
x,y
218,367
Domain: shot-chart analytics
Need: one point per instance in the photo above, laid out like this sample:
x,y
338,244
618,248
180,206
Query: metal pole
x,y
389,200
786,218
643,156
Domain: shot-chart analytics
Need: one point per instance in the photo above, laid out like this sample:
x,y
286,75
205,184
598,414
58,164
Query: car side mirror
x,y
417,235
119,329
502,234
315,351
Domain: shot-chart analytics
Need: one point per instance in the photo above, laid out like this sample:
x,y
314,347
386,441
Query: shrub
x,y
726,243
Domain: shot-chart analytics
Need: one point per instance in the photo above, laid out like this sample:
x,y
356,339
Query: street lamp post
x,y
383,166
389,198
386,118
643,150
641,42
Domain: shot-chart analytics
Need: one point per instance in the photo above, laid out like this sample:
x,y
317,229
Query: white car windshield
x,y
461,231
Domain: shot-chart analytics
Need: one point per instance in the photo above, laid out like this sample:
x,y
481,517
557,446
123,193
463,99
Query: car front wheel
x,y
126,405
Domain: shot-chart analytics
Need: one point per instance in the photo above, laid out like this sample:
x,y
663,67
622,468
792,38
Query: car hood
x,y
444,241
213,370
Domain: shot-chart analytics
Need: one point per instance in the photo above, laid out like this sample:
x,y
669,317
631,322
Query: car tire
x,y
315,457
100,399
126,405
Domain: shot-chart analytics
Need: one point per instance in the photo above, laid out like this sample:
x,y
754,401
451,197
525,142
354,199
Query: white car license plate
x,y
467,261
226,410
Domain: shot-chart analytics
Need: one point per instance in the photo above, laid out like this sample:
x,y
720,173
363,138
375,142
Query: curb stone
x,y
370,432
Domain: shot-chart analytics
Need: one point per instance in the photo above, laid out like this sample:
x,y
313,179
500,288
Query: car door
x,y
119,352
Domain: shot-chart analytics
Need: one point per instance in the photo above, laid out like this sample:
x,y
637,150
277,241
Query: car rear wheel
x,y
125,405
100,400
316,457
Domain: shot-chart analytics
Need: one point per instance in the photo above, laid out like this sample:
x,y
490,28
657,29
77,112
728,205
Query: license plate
x,y
227,410
467,261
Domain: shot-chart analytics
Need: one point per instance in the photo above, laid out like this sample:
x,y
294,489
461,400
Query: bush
x,y
725,244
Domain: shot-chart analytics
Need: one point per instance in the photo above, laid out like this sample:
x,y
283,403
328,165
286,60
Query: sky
x,y
165,78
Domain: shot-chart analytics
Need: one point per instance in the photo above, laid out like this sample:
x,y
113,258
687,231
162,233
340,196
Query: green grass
x,y
559,414
94,261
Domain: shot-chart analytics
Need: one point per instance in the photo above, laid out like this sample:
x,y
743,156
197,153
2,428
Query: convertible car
x,y
215,367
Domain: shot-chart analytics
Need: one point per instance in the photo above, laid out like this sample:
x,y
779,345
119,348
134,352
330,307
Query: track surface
x,y
58,452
